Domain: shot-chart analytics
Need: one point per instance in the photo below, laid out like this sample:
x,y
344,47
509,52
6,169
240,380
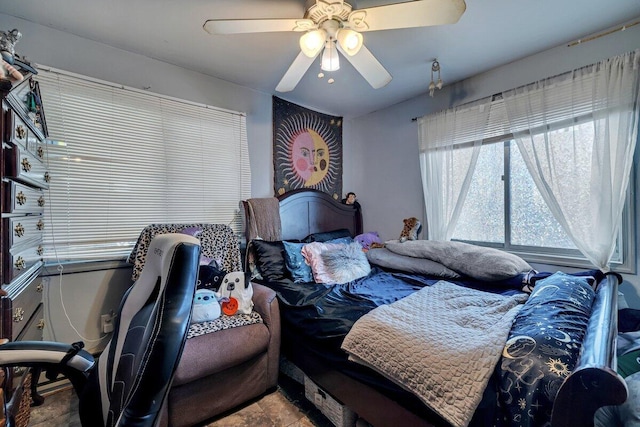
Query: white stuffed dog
x,y
239,293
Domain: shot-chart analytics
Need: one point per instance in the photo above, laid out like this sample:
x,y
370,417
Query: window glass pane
x,y
532,223
482,216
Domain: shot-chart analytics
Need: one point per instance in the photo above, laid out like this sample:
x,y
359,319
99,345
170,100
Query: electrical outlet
x,y
106,323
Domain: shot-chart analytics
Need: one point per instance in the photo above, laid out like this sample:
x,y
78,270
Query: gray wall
x,y
386,172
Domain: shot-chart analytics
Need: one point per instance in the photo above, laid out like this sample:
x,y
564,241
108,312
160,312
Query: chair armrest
x,y
265,303
42,353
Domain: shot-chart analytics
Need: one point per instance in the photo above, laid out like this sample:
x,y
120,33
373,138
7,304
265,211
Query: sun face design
x,y
308,151
557,367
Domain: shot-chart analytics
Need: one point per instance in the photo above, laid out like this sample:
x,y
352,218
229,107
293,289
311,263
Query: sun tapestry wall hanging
x,y
307,149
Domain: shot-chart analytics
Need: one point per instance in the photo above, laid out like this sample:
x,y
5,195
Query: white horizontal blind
x,y
121,159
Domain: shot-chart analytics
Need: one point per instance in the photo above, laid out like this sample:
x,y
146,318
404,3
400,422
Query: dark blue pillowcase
x,y
327,235
300,271
543,346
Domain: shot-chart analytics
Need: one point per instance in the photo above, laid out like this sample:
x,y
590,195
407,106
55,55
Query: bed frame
x,y
593,383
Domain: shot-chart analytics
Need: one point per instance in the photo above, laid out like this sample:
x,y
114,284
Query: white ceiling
x,y
489,34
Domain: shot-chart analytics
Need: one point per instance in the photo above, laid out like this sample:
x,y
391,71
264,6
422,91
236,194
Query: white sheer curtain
x,y
577,134
450,142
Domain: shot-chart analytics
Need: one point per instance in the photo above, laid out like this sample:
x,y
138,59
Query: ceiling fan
x,y
332,26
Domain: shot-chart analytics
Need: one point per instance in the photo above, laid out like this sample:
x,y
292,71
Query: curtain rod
x,y
606,33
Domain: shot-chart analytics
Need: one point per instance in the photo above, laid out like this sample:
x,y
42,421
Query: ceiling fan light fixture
x,y
312,42
330,59
350,41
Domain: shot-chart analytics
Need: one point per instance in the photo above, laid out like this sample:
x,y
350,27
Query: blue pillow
x,y
344,240
300,271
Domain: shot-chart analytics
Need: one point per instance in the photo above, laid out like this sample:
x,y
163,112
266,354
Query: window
x,y
544,167
504,209
121,159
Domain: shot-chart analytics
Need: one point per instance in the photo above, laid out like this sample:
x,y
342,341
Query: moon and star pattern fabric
x,y
543,348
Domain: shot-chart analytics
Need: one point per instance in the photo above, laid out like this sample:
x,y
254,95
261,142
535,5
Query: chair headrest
x,y
160,252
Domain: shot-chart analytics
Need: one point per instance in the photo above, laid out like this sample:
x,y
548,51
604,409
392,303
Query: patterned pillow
x,y
296,264
543,346
346,264
311,253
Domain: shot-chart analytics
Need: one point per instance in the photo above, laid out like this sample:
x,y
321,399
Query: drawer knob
x,y
41,201
40,151
19,230
21,198
40,324
47,177
40,251
26,166
21,132
18,314
40,288
20,263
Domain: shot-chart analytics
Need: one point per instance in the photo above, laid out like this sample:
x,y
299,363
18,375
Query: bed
x,y
318,319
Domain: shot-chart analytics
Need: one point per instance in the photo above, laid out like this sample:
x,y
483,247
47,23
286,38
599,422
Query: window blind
x,y
121,159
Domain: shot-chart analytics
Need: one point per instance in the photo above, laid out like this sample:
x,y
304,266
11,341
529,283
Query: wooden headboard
x,y
307,211
303,212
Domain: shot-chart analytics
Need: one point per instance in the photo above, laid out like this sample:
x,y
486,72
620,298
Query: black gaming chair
x,y
128,384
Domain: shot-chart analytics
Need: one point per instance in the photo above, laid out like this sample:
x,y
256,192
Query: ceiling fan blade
x,y
422,13
239,26
367,65
295,72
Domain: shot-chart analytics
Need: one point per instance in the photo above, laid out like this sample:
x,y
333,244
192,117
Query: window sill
x,y
565,261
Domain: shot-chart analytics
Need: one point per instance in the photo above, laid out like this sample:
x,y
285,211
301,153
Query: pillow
x,y
327,235
407,264
270,260
366,239
297,266
346,264
344,240
477,262
311,253
544,345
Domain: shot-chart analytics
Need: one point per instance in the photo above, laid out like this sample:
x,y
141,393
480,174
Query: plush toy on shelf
x,y
8,39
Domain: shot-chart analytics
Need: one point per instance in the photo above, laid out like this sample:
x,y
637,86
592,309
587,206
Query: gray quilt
x,y
478,262
441,343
